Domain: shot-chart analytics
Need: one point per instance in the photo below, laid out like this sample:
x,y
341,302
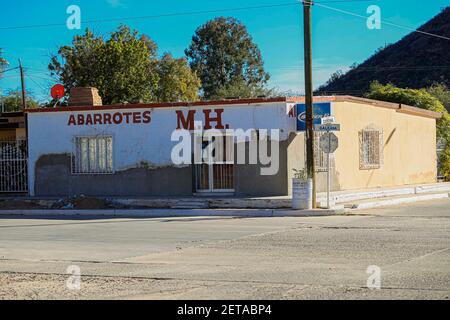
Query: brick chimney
x,y
84,96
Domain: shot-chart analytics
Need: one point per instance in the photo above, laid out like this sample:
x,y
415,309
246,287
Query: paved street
x,y
226,258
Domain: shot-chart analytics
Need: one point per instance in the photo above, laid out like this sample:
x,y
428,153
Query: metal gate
x,y
216,175
214,178
13,166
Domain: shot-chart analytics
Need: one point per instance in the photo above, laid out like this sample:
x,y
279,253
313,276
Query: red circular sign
x,y
57,91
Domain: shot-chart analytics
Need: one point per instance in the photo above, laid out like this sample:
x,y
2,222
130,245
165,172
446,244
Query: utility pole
x,y
311,170
24,99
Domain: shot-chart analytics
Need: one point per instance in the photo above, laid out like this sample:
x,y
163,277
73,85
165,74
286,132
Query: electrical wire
x,y
36,83
3,71
177,14
383,21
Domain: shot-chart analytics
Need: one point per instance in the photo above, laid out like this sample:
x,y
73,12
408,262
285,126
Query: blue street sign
x,y
321,110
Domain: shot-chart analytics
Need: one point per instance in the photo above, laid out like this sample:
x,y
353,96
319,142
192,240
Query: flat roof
x,y
235,102
229,102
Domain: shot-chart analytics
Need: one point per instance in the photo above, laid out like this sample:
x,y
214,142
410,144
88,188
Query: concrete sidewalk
x,y
392,201
343,202
285,202
380,193
348,208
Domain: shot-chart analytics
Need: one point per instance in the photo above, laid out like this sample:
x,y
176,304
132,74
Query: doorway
x,y
216,172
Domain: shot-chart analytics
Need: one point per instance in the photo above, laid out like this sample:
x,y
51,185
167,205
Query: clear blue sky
x,y
339,39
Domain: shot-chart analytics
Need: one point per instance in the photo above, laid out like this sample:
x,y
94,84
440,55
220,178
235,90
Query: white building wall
x,y
50,132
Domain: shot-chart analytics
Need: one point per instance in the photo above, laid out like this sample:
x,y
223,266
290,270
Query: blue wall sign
x,y
322,109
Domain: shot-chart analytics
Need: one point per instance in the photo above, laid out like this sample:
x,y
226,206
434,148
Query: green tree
x,y
13,101
123,68
225,57
444,161
177,82
420,98
441,92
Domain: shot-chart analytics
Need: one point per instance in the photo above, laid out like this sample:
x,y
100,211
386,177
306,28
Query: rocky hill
x,y
416,61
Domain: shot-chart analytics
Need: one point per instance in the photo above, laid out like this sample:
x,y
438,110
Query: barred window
x,y
93,155
370,149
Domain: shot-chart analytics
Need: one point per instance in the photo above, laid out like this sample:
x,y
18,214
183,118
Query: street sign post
x,y
328,120
329,143
327,127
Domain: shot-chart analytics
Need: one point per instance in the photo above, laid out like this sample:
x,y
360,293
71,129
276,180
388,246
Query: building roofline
x,y
419,112
235,102
402,108
162,105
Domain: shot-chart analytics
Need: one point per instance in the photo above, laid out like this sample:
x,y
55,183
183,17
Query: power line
x,y
37,69
36,83
10,76
40,73
3,71
320,4
176,14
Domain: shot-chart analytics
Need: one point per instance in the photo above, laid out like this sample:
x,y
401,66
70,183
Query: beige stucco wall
x,y
409,147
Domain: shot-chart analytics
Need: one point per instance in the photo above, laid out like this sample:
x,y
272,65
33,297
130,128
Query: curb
x,y
164,213
170,213
394,202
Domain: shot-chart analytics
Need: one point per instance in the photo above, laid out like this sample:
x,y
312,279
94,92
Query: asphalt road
x,y
226,258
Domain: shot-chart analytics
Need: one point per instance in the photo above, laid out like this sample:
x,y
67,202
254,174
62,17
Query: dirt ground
x,y
14,286
20,204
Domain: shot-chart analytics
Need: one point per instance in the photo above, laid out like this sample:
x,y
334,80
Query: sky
x,y
339,39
